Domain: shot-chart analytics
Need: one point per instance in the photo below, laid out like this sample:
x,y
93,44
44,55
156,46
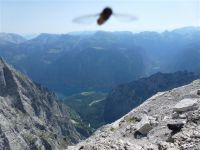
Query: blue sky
x,y
55,16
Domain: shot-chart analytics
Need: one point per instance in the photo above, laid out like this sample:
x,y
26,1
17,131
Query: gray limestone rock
x,y
144,125
185,105
31,117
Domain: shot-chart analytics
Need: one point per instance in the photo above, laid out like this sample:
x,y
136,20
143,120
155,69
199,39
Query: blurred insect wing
x,y
125,17
88,19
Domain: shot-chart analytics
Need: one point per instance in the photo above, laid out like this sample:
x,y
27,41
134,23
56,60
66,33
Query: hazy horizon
x,y
50,16
93,31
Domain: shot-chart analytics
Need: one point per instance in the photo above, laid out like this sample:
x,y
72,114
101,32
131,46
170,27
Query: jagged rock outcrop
x,y
30,116
144,126
163,129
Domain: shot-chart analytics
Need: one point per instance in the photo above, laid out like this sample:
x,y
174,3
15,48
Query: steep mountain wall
x,y
31,117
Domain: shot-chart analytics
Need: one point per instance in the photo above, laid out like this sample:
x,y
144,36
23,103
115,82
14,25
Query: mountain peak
x,y
11,38
187,30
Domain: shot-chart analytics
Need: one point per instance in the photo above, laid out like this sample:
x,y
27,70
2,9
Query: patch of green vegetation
x,y
30,138
87,93
80,126
112,129
90,106
54,50
20,75
131,119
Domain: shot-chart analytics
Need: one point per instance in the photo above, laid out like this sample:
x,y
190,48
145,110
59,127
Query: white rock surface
x,y
185,105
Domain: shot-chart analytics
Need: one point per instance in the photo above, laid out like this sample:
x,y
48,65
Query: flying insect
x,y
104,16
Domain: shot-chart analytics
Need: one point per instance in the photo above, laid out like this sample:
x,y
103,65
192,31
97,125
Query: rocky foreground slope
x,y
30,116
167,121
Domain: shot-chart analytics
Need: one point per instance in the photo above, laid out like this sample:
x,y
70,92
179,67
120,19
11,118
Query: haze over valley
x,y
70,64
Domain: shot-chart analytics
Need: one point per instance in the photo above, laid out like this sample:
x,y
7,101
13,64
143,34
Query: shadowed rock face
x,y
31,116
2,78
175,127
4,143
125,97
153,125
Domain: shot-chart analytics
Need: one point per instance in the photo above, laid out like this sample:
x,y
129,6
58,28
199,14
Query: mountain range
x,y
73,63
11,38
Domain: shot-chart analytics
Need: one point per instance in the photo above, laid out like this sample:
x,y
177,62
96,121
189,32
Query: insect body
x,y
104,16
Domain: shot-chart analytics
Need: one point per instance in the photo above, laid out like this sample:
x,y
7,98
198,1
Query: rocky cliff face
x,y
30,115
167,121
125,97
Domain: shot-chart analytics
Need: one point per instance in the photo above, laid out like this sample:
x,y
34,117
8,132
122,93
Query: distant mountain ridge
x,y
186,30
127,96
11,38
68,62
72,63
